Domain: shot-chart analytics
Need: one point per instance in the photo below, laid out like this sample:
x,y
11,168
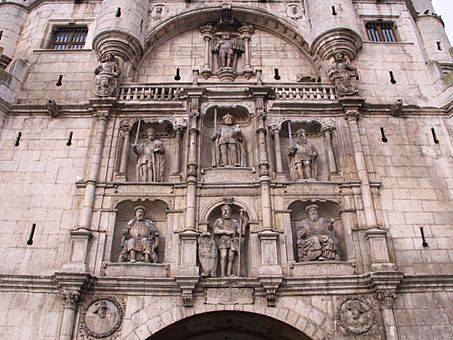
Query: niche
x,y
221,254
317,231
154,217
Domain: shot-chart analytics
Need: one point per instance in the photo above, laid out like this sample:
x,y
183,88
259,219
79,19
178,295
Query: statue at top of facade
x,y
229,237
227,48
106,80
150,158
140,239
344,75
316,240
228,144
302,157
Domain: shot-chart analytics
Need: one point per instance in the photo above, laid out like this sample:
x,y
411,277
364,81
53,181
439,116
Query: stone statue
x,y
302,157
207,254
344,75
107,73
227,49
229,234
150,158
140,239
227,144
316,240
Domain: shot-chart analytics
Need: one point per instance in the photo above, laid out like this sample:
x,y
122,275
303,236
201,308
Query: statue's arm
x,y
159,147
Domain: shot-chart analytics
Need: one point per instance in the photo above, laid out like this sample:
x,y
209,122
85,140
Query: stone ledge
x,y
326,268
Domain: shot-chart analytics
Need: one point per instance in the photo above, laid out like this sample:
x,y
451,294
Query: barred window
x,y
381,32
68,38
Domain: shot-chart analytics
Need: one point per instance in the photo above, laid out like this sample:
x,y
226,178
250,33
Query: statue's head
x,y
301,136
109,57
100,308
150,133
340,56
228,119
311,211
140,212
226,211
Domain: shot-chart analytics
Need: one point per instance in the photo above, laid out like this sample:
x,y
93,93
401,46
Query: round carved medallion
x,y
102,317
356,316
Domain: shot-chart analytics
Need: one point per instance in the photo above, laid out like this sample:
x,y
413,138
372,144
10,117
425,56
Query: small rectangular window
x,y
381,32
68,38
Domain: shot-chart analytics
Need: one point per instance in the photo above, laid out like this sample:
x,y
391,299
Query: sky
x,y
445,9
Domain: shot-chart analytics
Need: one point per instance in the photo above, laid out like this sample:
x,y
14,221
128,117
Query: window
x,y
68,38
381,32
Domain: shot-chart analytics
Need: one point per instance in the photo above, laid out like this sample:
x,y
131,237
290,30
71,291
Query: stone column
x,y
81,235
125,131
331,162
278,153
70,286
206,31
176,175
352,116
386,299
246,33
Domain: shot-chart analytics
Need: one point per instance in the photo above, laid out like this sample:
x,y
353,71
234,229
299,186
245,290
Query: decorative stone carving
x,y
150,158
70,298
140,239
344,75
295,10
101,318
228,147
207,254
53,108
356,316
397,108
229,238
316,240
386,298
106,80
158,11
227,46
302,157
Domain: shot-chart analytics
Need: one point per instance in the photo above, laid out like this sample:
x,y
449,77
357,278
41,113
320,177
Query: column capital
x,y
207,31
70,286
352,115
246,31
386,298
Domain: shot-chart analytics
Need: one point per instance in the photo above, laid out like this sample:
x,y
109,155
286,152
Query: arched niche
x,y
165,132
326,209
178,44
155,211
240,215
241,119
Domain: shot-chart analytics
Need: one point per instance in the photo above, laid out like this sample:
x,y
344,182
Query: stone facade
x,y
261,112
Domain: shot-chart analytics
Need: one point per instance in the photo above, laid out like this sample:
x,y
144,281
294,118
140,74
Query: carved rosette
x,y
102,317
356,316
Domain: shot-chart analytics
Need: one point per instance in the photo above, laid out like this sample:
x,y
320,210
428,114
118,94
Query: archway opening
x,y
229,325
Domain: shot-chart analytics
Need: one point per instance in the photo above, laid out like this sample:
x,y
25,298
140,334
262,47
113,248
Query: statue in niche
x,y
227,49
228,147
140,239
344,75
207,254
302,157
316,240
150,158
107,73
229,236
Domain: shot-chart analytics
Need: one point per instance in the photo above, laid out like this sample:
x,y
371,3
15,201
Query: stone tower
x,y
225,169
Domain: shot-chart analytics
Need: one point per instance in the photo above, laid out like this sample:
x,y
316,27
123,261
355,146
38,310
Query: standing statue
x,y
107,73
229,234
207,254
316,240
227,144
302,157
344,75
150,158
227,49
140,239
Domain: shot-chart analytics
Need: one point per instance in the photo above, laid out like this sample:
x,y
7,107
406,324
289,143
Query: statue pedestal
x,y
227,74
136,269
322,268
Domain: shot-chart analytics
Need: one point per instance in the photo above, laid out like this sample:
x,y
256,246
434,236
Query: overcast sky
x,y
445,9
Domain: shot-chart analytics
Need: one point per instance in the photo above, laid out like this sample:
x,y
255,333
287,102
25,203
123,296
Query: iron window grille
x,y
68,38
381,32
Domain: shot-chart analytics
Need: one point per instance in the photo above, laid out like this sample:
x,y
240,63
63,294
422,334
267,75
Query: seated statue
x,y
140,239
316,240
